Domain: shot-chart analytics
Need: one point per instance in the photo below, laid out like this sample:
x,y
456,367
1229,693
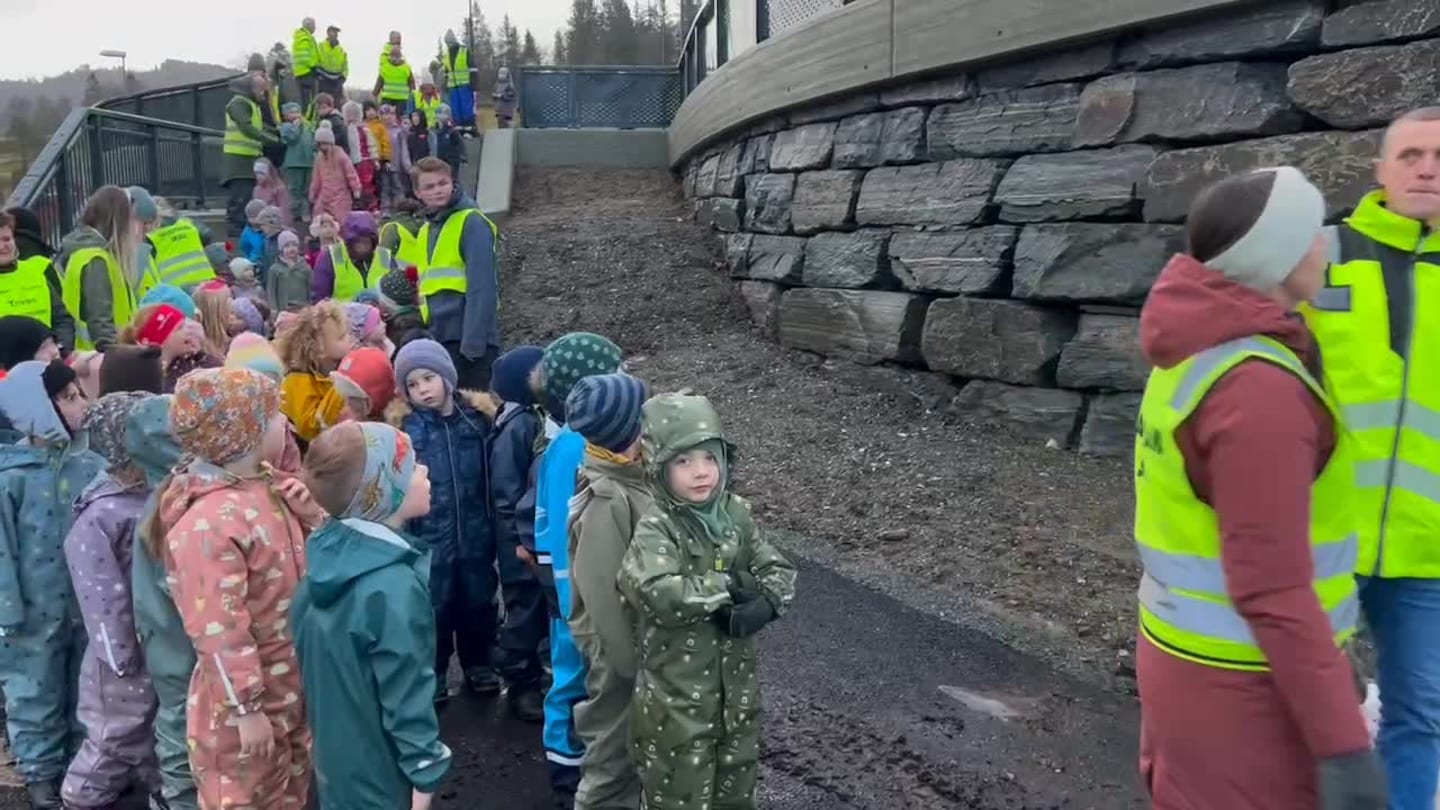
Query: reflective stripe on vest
x,y
1377,320
457,71
180,259
444,267
396,80
429,107
26,291
349,280
236,141
1185,608
122,306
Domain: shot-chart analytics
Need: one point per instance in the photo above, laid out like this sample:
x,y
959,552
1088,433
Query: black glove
x,y
1352,782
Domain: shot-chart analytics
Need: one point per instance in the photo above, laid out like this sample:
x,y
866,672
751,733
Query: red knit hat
x,y
366,374
159,325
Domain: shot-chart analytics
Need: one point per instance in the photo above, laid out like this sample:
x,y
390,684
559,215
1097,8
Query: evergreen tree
x,y
557,51
530,51
507,44
583,41
481,43
94,92
618,43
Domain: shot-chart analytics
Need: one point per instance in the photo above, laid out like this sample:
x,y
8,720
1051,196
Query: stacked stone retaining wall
x,y
1003,226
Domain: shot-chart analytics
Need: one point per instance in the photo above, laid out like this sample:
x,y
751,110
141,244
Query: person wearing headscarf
x,y
43,472
463,77
703,581
117,703
364,626
249,742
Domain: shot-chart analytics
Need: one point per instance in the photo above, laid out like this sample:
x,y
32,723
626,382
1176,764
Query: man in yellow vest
x,y
246,137
1378,323
459,288
463,78
31,287
305,56
333,65
396,83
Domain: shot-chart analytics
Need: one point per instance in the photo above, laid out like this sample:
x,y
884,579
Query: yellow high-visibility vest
x,y
444,267
334,60
236,141
1184,606
305,52
26,290
350,281
457,69
180,259
396,82
122,298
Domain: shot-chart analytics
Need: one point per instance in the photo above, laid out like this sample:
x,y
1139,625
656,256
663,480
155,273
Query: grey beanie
x,y
428,355
1293,215
272,216
325,135
606,410
286,238
253,209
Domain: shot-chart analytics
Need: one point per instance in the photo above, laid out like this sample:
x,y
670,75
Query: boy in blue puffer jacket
x,y
451,429
565,362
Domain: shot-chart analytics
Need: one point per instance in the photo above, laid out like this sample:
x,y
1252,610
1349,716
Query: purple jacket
x,y
98,550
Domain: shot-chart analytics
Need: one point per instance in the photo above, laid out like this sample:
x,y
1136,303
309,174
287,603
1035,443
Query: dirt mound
x,y
848,464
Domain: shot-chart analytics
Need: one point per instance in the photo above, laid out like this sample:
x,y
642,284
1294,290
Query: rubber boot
x,y
44,795
482,680
527,705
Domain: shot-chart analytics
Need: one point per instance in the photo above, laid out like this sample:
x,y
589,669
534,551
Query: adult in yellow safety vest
x,y
178,253
334,64
463,79
100,275
396,83
1244,520
1378,322
31,287
459,290
428,101
305,58
352,265
246,137
390,45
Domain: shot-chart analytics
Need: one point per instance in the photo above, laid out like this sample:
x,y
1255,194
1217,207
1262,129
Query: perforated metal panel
x,y
785,14
620,97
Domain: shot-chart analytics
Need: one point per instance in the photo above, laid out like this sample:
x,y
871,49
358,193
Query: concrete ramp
x,y
496,174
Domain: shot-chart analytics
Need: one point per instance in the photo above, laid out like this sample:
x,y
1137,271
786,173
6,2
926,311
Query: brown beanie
x,y
132,368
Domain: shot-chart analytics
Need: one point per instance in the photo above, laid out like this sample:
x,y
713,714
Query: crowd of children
x,y
241,544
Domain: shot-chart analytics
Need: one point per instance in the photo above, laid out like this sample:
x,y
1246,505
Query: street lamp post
x,y
114,54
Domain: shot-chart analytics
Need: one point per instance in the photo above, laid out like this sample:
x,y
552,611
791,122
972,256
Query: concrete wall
x,y
597,148
1003,224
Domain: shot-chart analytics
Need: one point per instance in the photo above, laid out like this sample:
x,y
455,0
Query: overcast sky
x,y
46,37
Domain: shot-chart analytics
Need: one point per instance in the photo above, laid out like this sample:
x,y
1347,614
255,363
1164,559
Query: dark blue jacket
x,y
512,454
455,448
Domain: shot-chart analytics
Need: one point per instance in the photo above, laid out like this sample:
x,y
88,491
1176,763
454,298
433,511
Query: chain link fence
x,y
618,97
782,15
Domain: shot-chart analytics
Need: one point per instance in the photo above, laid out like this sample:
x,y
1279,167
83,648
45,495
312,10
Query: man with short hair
x,y
31,287
333,66
1378,324
459,290
390,44
246,138
305,58
396,83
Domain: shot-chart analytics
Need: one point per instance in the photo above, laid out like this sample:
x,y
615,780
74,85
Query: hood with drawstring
x,y
677,423
27,405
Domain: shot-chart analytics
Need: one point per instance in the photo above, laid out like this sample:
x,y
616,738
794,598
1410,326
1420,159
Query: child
x,y
270,189
418,141
361,664
450,428
399,299
272,222
449,143
252,241
400,235
132,368
324,234
334,184
397,167
248,318
364,150
367,382
603,515
219,257
117,702
42,472
24,338
174,296
246,282
250,350
704,582
383,151
287,285
181,341
565,362
299,138
217,316
310,348
234,553
169,655
367,326
518,429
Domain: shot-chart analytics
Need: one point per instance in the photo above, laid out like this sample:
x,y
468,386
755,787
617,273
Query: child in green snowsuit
x,y
704,583
299,137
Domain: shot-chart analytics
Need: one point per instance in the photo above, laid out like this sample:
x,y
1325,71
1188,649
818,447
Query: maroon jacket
x,y
1252,450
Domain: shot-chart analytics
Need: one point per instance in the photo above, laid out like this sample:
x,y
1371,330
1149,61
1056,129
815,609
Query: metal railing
x,y
623,97
94,147
200,104
709,43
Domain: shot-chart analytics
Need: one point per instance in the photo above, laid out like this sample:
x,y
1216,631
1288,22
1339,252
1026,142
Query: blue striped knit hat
x,y
606,410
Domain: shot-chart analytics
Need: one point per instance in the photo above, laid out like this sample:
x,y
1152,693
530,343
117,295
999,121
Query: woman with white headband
x,y
1243,520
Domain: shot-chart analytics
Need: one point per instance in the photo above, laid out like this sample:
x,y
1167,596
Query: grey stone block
x,y
1104,354
851,104
847,260
1381,21
767,202
763,300
687,186
1102,262
857,141
737,254
1272,28
780,259
1109,430
728,177
995,339
705,179
863,325
971,262
929,91
1063,64
903,138
825,200
1341,164
755,158
806,147
1205,102
1094,184
1011,122
955,192
1367,86
725,214
1041,414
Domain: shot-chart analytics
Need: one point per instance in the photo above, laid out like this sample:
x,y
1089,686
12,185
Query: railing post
x,y
574,94
762,20
722,32
195,106
97,152
197,158
64,209
152,160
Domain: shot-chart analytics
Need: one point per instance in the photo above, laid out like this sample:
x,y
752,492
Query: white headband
x,y
1280,238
